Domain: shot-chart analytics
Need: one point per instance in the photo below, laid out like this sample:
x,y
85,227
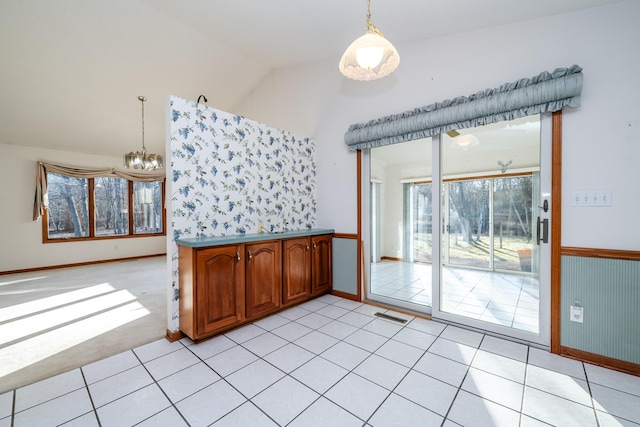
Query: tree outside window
x,y
111,199
68,207
147,202
102,207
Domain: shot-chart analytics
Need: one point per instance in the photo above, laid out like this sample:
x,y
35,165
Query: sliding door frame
x,y
556,228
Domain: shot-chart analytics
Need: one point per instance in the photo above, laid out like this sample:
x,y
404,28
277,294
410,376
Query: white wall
x,y
601,139
22,246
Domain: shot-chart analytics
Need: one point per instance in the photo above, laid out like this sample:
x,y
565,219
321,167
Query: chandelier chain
x,y
142,99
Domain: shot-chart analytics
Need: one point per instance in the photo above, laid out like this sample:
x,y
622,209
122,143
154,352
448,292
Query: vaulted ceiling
x,y
71,70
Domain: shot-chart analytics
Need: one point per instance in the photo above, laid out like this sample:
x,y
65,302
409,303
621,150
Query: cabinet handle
x,y
307,246
237,257
314,246
250,256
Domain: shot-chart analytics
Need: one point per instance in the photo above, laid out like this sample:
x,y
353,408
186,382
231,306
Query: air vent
x,y
393,318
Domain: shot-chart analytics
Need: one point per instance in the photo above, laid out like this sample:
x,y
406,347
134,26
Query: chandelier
x,y
369,57
142,159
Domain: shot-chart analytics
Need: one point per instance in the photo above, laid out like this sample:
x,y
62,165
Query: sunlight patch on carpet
x,y
42,346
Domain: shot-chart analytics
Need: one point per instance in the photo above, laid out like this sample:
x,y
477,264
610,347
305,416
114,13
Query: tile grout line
x,y
13,407
172,404
93,405
351,371
223,378
524,385
15,394
446,417
154,381
405,376
591,398
320,395
249,399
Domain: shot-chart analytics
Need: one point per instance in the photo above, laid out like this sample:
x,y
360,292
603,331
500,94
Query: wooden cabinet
x,y
321,264
211,289
307,268
263,277
224,286
296,269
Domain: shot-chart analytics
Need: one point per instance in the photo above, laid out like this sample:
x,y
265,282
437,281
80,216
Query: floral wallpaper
x,y
229,173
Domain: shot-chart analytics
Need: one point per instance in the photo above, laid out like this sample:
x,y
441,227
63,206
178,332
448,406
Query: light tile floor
x,y
331,362
502,298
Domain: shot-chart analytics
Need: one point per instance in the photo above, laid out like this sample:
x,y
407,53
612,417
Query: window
x,y
102,207
147,202
68,214
111,206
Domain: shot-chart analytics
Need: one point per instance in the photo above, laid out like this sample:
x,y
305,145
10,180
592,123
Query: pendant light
x,y
467,140
369,57
463,140
142,159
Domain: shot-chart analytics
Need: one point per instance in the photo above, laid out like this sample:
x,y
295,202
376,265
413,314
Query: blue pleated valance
x,y
544,93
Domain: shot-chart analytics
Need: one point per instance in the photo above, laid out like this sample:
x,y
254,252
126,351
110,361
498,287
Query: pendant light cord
x,y
370,27
142,99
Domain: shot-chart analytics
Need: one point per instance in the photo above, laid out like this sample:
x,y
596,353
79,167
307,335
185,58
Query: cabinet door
x,y
263,277
296,270
219,288
321,264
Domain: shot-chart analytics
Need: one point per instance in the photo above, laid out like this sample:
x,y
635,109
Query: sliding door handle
x,y
543,231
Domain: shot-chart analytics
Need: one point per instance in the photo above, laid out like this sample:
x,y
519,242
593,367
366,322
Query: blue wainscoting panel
x,y
609,292
345,265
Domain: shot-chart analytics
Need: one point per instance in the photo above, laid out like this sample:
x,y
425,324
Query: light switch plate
x,y
593,198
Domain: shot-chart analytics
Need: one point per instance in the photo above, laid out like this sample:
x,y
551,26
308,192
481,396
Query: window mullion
x,y
91,208
131,204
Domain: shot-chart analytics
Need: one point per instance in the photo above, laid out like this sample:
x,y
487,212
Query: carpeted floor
x,y
52,321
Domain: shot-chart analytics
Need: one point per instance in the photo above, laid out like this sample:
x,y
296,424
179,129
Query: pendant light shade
x,y
142,159
466,140
369,57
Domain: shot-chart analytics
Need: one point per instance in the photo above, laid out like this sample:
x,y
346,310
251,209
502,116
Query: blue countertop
x,y
201,242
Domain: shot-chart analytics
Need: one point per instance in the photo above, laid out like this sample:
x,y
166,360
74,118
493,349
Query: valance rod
x,y
544,93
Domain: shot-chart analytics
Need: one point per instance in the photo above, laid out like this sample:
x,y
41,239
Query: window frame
x,y
91,214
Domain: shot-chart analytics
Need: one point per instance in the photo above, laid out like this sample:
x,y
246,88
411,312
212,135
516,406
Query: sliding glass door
x,y
400,226
491,254
488,251
458,237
